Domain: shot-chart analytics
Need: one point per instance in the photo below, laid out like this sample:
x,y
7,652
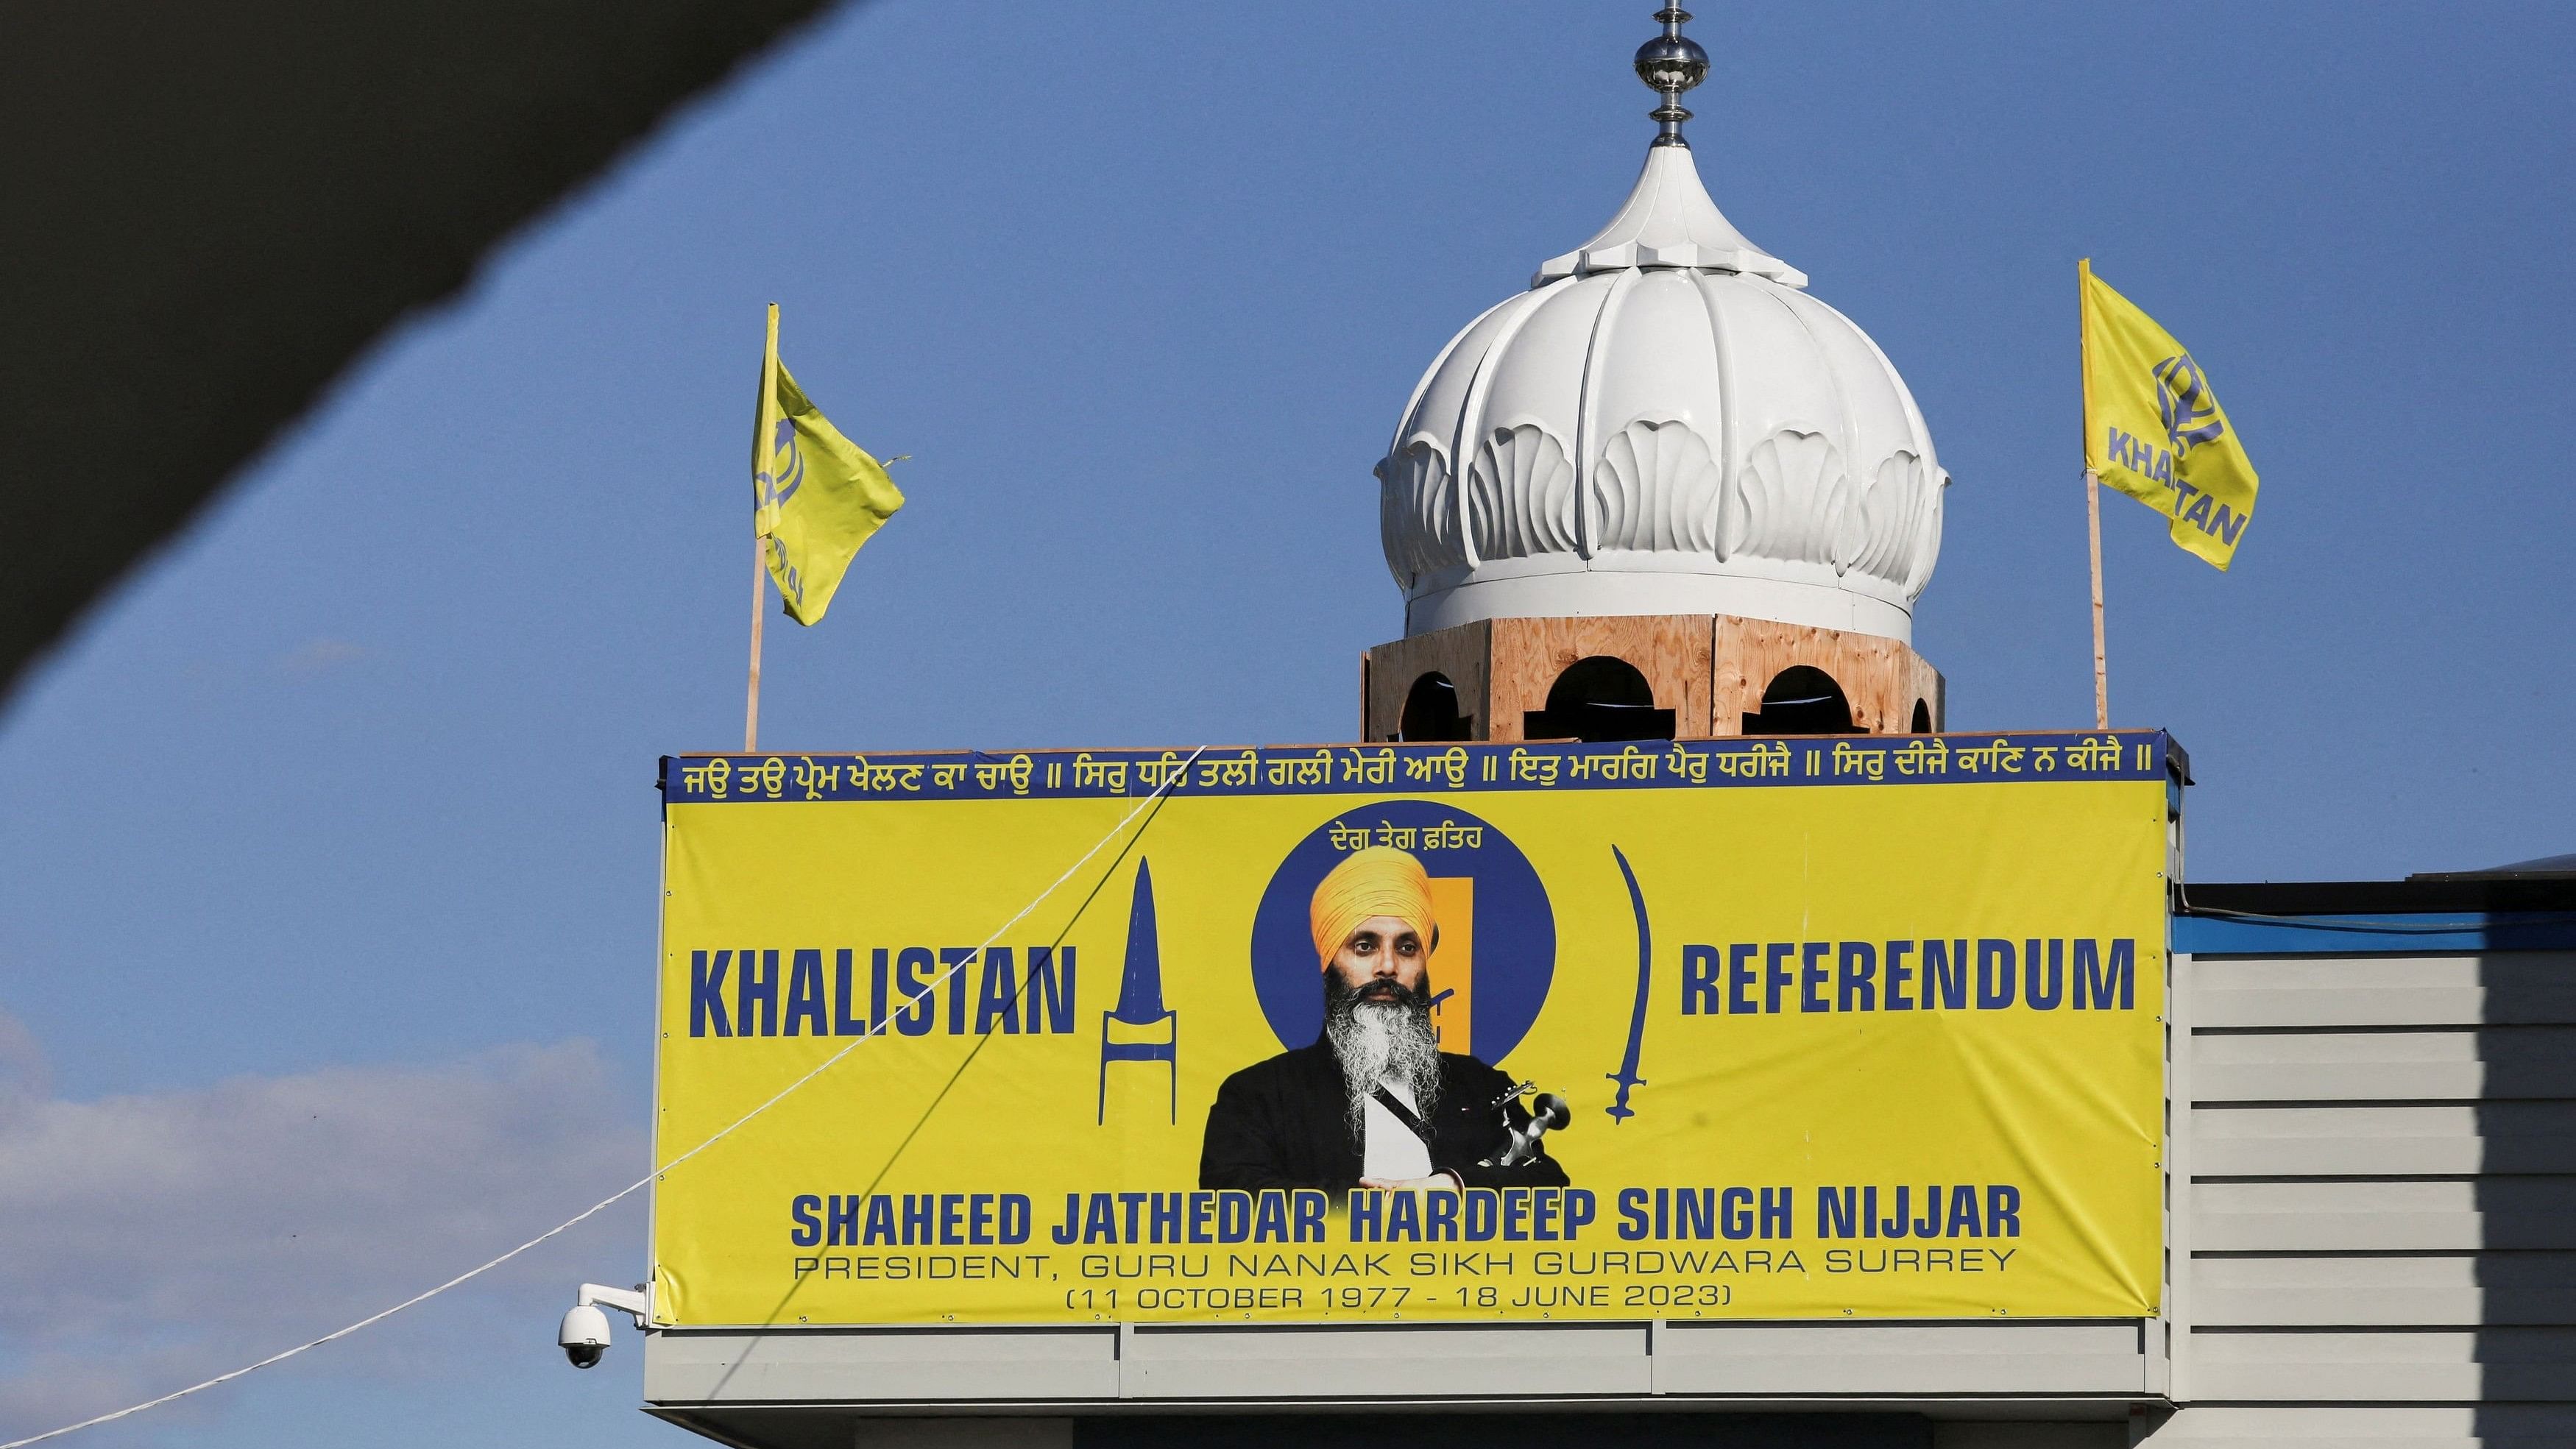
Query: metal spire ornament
x,y
1670,64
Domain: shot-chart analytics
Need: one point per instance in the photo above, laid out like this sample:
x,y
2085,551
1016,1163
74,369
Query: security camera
x,y
584,1334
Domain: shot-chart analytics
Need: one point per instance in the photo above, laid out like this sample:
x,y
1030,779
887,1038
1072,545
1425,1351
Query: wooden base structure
x,y
1711,671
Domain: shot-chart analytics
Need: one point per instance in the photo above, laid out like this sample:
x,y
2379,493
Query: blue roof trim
x,y
2374,935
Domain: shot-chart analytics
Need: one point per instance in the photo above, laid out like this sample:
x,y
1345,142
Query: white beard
x,y
1376,1041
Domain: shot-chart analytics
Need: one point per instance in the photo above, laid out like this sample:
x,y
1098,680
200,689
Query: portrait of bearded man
x,y
1373,1102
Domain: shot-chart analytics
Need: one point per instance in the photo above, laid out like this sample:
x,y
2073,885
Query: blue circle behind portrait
x,y
1510,949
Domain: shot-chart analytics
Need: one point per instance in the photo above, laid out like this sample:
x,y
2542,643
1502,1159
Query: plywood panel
x,y
1710,670
1671,650
1881,677
1389,671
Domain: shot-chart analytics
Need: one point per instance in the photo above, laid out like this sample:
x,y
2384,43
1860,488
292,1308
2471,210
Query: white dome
x,y
1663,424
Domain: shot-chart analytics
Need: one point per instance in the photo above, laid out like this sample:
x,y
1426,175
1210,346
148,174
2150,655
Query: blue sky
x,y
345,801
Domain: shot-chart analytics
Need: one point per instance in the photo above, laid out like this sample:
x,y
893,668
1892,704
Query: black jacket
x,y
1284,1123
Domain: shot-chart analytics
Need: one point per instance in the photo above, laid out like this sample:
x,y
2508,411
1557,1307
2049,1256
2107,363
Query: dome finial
x,y
1670,64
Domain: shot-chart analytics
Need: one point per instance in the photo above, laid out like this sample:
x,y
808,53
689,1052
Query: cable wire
x,y
875,1028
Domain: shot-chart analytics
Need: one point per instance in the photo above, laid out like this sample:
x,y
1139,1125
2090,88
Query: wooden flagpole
x,y
763,457
759,610
2092,492
2101,674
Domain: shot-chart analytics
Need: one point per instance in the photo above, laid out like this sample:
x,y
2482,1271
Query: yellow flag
x,y
816,496
2154,430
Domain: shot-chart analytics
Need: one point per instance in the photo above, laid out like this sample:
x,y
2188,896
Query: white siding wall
x,y
2381,1201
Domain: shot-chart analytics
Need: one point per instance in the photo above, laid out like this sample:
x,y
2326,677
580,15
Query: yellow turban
x,y
1378,881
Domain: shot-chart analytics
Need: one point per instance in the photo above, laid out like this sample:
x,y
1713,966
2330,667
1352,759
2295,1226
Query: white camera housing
x,y
584,1334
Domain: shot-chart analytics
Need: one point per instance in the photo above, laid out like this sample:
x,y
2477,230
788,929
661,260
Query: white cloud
x,y
149,1241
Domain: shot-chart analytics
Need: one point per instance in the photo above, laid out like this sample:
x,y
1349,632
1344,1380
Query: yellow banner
x,y
2153,427
1860,1028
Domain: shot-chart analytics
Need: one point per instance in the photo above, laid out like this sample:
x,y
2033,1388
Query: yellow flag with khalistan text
x,y
816,496
2154,430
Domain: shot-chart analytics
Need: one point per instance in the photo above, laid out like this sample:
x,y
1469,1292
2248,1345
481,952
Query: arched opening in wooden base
x,y
1599,698
1710,672
1431,712
1802,700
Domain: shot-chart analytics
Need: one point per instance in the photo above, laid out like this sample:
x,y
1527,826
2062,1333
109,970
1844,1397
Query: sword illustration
x,y
1626,1076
